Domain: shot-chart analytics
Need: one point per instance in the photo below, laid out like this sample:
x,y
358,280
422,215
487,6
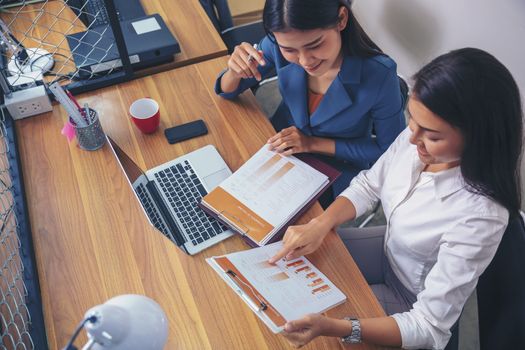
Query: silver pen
x,y
86,111
250,56
252,304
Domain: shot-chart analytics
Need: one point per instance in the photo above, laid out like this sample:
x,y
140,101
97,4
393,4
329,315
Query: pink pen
x,y
72,98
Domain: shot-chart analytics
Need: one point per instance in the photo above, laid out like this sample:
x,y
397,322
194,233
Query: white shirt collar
x,y
445,182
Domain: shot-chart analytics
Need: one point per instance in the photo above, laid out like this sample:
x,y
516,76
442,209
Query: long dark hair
x,y
284,15
473,91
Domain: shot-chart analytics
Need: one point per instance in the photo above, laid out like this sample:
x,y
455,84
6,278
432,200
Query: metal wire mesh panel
x,y
14,315
68,40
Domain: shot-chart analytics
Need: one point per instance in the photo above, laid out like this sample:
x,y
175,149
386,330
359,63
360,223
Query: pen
x,y
72,98
62,97
250,56
86,112
249,301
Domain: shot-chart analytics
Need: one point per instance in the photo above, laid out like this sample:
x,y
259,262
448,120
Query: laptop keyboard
x,y
184,190
151,210
96,10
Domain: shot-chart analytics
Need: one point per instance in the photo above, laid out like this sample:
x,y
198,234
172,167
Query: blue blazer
x,y
364,95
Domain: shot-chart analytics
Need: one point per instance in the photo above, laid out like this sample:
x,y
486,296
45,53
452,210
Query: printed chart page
x,y
294,288
274,186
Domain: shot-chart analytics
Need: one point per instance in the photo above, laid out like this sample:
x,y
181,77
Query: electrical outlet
x,y
28,102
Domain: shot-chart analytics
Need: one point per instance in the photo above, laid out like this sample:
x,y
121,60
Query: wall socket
x,y
28,102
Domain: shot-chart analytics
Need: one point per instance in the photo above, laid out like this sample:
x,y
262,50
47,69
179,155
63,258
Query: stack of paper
x,y
265,194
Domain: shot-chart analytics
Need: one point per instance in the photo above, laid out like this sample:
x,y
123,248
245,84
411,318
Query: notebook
x,y
278,293
169,194
268,193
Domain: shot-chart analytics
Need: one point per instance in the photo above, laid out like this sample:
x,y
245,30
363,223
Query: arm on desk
x,y
379,330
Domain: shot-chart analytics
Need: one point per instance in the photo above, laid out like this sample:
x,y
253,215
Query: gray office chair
x,y
220,15
501,293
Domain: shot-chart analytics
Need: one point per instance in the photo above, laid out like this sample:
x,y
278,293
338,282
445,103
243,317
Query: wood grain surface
x,y
93,242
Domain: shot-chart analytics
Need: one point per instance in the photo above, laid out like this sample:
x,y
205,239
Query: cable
x,y
40,57
70,345
22,56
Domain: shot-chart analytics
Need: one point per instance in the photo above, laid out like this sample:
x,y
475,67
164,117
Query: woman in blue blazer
x,y
341,95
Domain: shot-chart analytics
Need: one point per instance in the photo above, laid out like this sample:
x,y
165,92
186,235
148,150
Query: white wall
x,y
413,32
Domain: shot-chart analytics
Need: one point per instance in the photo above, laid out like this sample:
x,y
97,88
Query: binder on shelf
x,y
277,293
268,193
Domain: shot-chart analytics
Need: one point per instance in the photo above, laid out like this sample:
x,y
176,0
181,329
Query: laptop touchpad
x,y
213,180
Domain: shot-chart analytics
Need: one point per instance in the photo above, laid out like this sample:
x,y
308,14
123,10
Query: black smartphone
x,y
185,131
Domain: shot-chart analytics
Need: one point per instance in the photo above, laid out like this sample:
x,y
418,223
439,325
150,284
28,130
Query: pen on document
x,y
250,56
251,303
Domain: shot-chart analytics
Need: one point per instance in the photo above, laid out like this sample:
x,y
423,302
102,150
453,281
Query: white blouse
x,y
439,239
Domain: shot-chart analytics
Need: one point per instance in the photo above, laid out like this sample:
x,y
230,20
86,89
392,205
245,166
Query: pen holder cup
x,y
90,137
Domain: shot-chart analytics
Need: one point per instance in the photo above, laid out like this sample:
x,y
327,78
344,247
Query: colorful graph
x,y
321,289
267,165
295,263
281,276
264,265
315,282
301,269
311,275
278,174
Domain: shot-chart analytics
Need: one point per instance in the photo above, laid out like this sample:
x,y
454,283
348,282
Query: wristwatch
x,y
355,336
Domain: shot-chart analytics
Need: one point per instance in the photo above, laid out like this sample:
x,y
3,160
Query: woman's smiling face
x,y
438,143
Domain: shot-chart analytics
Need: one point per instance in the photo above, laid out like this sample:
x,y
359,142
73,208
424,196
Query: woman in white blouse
x,y
448,185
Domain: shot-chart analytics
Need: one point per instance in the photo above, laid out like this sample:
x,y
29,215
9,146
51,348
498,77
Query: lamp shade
x,y
127,322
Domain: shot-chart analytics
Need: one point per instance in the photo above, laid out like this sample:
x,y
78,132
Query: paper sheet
x,y
274,186
294,288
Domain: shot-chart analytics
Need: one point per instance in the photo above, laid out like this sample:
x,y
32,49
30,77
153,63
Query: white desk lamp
x,y
126,322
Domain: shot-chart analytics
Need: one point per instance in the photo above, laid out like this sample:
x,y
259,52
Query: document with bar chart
x,y
264,194
277,293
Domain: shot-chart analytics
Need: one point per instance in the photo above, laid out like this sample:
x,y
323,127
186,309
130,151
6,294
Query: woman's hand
x,y
301,332
289,141
301,240
244,60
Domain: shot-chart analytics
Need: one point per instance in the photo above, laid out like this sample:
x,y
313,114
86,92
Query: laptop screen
x,y
132,170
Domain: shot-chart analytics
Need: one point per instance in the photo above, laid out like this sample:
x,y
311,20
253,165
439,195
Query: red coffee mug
x,y
145,114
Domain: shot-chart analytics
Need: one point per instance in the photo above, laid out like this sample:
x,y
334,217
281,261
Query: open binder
x,y
243,216
277,293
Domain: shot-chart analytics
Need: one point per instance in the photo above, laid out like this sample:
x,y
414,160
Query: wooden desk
x,y
46,24
93,242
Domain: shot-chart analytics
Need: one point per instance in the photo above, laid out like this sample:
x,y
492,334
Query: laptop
x,y
169,194
93,13
148,40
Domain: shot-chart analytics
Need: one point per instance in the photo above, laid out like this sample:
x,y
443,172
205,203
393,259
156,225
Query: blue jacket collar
x,y
294,85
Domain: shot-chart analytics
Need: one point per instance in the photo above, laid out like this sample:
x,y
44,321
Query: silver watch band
x,y
355,336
